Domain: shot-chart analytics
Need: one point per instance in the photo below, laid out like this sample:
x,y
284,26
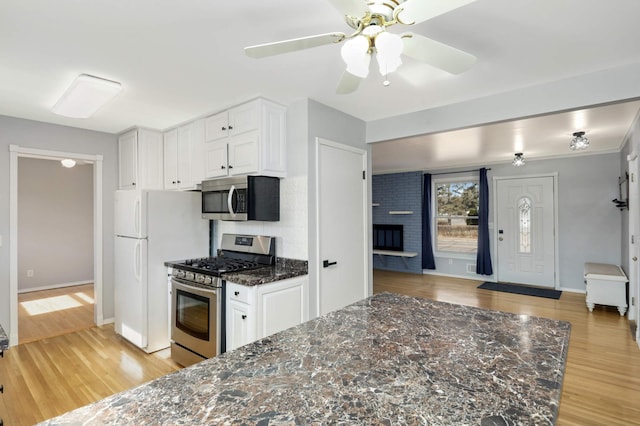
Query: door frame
x,y
556,233
368,287
633,234
16,151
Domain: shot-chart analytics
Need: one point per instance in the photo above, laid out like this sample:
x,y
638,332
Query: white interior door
x,y
526,231
342,222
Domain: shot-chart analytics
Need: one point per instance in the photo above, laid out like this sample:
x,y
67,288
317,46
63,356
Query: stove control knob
x,y
190,276
199,278
178,273
207,279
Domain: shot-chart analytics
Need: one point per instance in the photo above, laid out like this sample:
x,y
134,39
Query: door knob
x,y
635,258
326,263
500,238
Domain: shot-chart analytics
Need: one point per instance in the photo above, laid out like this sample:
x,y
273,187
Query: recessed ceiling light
x,y
86,95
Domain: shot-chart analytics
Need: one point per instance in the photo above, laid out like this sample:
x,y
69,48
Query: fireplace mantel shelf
x,y
401,254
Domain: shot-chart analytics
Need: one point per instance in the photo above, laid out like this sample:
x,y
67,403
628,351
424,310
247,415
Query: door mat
x,y
520,289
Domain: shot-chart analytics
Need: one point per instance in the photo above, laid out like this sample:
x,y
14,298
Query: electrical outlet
x,y
29,273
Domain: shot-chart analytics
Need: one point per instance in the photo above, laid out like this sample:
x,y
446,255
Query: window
x,y
456,216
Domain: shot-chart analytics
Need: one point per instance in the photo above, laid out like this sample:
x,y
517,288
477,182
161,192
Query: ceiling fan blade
x,y
355,8
349,83
416,11
437,54
285,46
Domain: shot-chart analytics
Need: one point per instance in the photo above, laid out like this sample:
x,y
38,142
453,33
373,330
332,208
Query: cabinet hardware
x,y
133,183
236,293
230,127
326,263
222,167
179,182
173,182
224,128
244,317
230,166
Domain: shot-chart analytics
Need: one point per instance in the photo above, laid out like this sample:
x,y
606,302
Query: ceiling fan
x,y
371,21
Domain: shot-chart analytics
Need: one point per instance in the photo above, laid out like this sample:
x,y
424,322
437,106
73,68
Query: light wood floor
x,y
601,383
49,313
602,377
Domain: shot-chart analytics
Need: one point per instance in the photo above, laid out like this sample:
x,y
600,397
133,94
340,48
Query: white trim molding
x,y
16,151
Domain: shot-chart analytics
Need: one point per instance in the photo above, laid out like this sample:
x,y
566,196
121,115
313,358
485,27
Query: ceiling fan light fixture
x,y
518,159
579,141
388,50
355,53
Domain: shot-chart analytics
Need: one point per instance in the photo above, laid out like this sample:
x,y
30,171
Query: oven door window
x,y
192,314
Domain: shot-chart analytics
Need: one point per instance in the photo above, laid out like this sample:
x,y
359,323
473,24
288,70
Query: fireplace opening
x,y
388,237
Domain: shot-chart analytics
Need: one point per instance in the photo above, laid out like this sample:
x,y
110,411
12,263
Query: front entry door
x,y
526,236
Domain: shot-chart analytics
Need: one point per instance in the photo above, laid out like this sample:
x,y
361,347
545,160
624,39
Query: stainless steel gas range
x,y
198,295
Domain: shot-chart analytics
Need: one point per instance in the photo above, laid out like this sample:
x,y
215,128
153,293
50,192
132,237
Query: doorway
x,y
342,232
17,152
526,223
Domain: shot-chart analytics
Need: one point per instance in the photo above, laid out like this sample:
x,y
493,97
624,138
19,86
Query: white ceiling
x,y
180,59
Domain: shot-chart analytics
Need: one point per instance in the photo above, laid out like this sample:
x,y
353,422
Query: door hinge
x,y
364,174
633,301
633,177
633,240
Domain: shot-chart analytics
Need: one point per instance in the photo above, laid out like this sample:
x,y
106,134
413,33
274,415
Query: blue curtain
x,y
428,262
483,261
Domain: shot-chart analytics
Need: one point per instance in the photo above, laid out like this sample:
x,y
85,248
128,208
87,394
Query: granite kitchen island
x,y
388,359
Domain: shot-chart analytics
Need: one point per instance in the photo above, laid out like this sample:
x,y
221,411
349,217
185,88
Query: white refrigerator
x,y
152,227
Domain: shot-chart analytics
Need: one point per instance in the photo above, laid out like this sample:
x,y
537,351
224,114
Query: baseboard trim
x,y
573,290
50,287
108,321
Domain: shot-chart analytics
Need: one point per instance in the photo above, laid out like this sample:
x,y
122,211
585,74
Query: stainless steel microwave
x,y
241,198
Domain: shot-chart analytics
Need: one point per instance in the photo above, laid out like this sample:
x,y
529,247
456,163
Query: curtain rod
x,y
461,171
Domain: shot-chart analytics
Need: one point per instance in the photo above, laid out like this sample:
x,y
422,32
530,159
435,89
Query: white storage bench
x,y
606,285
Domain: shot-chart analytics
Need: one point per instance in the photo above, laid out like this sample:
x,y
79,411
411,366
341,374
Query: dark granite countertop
x,y
4,340
388,359
283,269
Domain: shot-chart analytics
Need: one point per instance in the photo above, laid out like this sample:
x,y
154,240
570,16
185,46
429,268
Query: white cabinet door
x,y
244,154
150,165
215,159
197,153
243,118
240,325
185,137
282,305
171,159
128,160
216,127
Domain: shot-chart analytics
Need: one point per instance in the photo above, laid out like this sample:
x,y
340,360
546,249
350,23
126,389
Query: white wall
x,y
33,134
55,224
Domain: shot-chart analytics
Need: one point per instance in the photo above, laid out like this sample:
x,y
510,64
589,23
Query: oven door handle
x,y
185,284
230,201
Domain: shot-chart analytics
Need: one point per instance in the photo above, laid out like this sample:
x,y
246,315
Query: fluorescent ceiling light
x,y
85,96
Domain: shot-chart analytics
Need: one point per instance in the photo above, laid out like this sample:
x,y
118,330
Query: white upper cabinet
x,y
140,153
247,139
183,150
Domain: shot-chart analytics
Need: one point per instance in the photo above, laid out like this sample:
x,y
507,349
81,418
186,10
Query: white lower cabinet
x,y
254,312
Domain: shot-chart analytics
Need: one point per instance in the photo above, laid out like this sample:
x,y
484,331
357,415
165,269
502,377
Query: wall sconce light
x,y
579,141
518,160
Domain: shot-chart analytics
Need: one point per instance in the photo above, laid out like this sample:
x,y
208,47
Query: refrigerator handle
x,y
136,216
136,260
